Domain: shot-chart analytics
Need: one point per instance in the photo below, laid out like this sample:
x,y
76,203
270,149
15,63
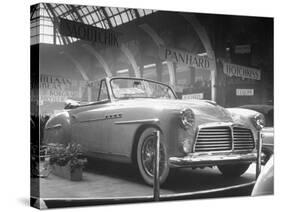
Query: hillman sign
x,y
186,58
58,89
241,71
88,33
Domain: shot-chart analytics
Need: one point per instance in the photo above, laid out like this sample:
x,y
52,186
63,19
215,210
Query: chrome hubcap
x,y
148,156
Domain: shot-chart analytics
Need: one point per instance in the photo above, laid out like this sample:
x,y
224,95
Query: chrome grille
x,y
220,139
243,139
213,139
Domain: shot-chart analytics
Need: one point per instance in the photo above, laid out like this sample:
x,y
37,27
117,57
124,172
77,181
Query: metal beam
x,y
78,65
73,8
80,69
160,42
106,17
131,59
33,9
55,20
99,58
136,13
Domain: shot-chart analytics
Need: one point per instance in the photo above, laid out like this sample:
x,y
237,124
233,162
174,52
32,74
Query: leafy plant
x,y
66,154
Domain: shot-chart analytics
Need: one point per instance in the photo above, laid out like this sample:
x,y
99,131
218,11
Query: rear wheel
x,y
233,170
146,157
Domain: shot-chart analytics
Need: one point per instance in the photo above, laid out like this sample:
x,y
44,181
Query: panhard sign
x,y
88,33
244,92
241,71
186,58
193,96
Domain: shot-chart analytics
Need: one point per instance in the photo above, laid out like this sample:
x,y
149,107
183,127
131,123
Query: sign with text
x,y
88,33
193,96
242,49
241,71
244,92
186,58
58,89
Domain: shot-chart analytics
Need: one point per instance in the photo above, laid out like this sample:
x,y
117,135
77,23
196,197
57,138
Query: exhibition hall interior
x,y
107,83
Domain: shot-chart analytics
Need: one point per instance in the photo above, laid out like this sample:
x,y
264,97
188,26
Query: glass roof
x,y
44,15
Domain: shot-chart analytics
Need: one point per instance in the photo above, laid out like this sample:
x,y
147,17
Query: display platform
x,y
107,183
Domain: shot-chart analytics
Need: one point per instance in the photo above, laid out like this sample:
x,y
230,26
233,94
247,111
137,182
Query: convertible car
x,y
120,125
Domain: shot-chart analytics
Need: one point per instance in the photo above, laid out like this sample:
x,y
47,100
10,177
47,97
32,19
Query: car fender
x,y
58,129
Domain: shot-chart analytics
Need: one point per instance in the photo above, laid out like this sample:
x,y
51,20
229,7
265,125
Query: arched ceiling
x,y
43,16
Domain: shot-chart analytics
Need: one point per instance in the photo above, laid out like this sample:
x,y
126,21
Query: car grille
x,y
243,139
220,139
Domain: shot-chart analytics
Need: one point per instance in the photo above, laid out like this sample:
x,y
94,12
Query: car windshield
x,y
123,88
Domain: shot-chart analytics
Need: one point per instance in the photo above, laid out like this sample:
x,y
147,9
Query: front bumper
x,y
211,159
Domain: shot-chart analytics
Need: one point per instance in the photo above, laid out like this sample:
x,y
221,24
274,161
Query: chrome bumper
x,y
211,159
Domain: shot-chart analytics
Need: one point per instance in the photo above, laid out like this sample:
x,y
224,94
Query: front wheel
x,y
233,170
146,157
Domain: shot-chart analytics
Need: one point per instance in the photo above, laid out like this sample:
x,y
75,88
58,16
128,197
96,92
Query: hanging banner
x,y
88,33
241,71
186,58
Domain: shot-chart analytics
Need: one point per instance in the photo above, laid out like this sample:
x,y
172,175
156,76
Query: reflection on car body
x,y
265,182
119,126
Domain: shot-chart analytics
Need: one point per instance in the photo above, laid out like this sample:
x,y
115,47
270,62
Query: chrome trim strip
x,y
208,159
216,124
91,120
232,137
196,137
107,117
265,144
138,121
54,127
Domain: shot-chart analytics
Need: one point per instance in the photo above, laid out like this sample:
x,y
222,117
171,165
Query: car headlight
x,y
259,121
187,118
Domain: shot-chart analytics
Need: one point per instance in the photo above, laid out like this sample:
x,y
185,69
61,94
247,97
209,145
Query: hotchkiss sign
x,y
241,71
88,33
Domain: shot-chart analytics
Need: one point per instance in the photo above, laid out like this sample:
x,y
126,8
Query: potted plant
x,y
66,161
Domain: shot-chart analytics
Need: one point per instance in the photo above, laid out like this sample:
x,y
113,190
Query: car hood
x,y
204,110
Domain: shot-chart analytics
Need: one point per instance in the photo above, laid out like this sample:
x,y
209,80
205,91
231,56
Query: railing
x,y
259,147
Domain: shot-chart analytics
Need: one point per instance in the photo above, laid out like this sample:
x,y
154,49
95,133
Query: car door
x,y
88,123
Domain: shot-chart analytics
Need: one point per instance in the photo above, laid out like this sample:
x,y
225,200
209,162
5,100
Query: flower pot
x,y
74,174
